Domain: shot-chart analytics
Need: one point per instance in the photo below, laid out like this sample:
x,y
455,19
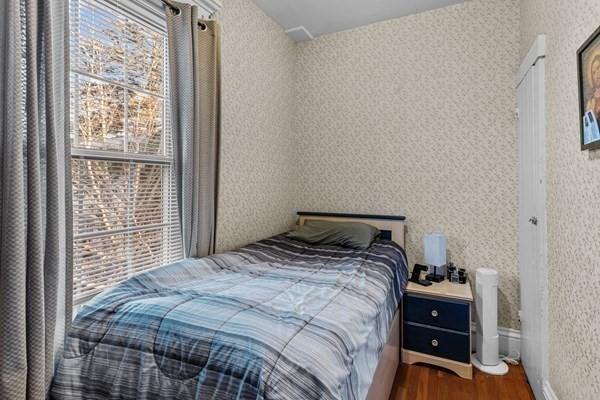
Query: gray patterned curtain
x,y
35,194
194,60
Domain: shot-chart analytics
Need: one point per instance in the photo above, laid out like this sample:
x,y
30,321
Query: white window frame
x,y
145,13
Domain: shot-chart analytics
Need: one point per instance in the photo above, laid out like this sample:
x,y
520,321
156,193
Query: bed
x,y
277,319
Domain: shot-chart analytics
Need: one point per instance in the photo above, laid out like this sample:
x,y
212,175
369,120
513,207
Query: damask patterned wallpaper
x,y
257,169
412,116
416,116
573,196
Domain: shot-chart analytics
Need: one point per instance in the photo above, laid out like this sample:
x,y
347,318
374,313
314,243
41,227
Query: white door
x,y
532,217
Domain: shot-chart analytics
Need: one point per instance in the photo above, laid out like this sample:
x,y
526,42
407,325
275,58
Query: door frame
x,y
536,53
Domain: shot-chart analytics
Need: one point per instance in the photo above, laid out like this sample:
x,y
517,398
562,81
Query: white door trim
x,y
537,51
536,54
548,392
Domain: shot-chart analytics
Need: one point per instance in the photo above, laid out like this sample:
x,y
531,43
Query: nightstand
x,y
437,326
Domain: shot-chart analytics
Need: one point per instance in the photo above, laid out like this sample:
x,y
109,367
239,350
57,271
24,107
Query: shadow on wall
x,y
593,155
504,304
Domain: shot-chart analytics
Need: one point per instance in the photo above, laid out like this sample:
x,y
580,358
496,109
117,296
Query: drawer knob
x,y
434,313
434,343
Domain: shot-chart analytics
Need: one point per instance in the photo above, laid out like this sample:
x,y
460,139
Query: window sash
x,y
105,255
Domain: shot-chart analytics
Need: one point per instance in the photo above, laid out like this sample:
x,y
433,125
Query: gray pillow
x,y
355,235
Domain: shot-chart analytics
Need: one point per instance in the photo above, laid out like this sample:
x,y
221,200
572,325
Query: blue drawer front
x,y
450,345
437,313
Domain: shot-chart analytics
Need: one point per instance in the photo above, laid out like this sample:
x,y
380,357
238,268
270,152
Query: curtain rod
x,y
177,11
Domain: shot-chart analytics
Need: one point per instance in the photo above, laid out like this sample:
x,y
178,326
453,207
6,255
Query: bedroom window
x,y
124,199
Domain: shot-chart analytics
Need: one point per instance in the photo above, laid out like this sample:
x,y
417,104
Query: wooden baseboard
x,y
462,370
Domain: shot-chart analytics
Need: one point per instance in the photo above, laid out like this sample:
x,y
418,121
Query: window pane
x,y
101,262
97,109
144,123
100,195
98,48
149,194
110,195
145,52
125,219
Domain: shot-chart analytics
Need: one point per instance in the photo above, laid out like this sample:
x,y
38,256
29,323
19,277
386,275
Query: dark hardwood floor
x,y
419,382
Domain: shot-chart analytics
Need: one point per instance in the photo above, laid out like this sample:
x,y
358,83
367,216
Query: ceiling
x,y
305,19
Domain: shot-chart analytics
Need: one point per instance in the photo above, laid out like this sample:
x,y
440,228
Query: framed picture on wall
x,y
588,65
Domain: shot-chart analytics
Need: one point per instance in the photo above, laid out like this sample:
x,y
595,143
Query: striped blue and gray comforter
x,y
278,319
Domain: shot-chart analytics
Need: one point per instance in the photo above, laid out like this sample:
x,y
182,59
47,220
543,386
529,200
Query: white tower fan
x,y
487,358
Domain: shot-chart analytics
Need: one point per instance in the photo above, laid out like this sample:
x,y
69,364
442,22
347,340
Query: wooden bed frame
x,y
389,361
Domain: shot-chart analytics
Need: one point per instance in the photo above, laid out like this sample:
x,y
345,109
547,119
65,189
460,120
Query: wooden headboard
x,y
391,226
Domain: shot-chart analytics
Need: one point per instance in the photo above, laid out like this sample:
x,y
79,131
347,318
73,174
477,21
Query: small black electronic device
x,y
450,270
416,275
435,277
462,276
